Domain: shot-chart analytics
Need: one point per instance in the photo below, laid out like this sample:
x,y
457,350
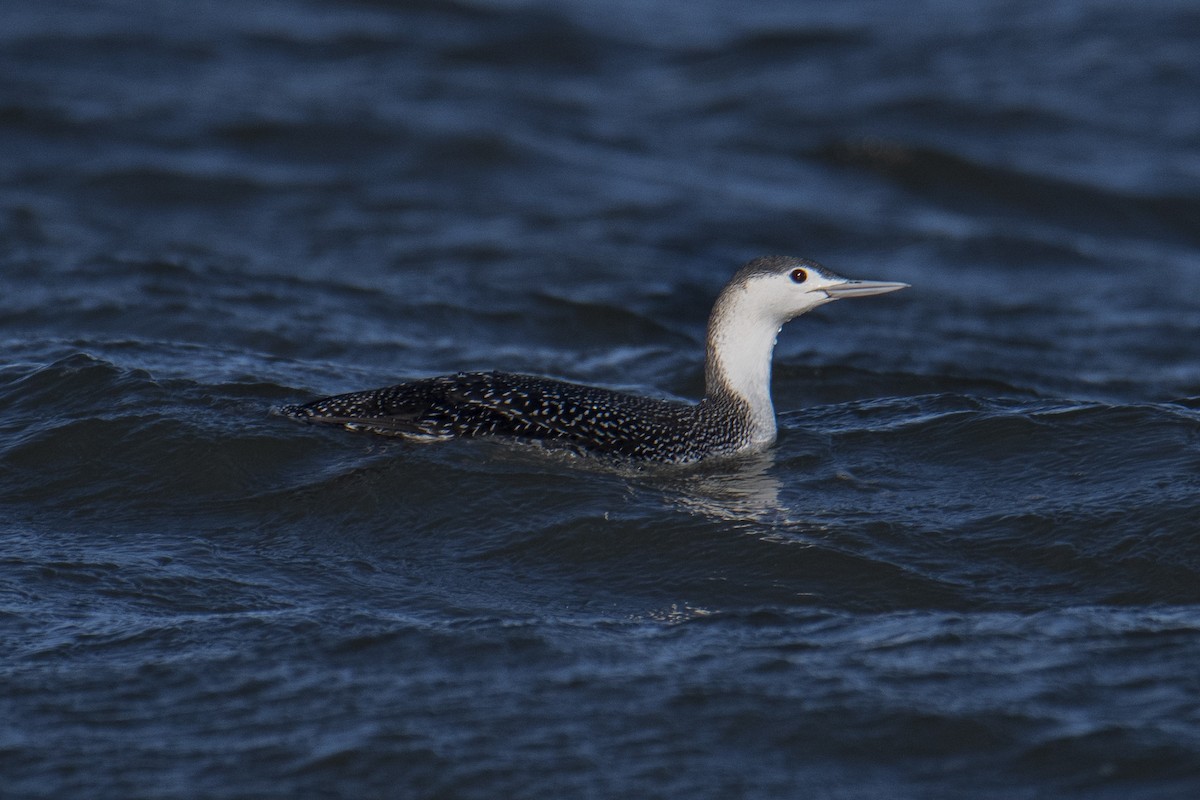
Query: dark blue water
x,y
969,568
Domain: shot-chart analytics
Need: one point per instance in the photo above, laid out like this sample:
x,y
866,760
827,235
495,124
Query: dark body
x,y
586,418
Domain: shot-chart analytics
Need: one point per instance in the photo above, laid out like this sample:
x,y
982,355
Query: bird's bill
x,y
861,288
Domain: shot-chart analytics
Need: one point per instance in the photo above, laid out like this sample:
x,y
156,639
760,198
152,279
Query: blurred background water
x,y
970,567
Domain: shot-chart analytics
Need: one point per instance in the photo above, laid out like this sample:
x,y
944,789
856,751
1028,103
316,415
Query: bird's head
x,y
781,287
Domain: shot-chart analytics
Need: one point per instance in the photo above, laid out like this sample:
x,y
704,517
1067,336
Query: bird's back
x,y
523,406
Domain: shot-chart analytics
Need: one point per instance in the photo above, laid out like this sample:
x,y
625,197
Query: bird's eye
x,y
799,276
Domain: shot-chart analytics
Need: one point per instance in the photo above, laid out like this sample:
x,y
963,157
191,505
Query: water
x,y
970,567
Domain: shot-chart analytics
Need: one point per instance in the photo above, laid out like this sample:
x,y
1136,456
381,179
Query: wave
x,y
863,505
989,190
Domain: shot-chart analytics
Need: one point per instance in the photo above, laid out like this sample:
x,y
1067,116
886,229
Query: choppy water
x,y
970,568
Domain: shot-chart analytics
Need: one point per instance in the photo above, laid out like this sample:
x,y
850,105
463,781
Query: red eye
x,y
799,276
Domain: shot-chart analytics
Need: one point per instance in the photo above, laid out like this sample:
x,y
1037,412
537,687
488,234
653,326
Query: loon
x,y
735,416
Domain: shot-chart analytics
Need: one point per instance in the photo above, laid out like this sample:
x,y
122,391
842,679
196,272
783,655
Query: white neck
x,y
741,340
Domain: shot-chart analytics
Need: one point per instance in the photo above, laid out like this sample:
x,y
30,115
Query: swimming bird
x,y
734,416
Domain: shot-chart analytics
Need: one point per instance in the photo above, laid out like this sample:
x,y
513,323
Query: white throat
x,y
741,339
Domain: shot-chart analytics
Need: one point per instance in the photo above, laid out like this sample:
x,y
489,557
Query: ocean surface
x,y
970,568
